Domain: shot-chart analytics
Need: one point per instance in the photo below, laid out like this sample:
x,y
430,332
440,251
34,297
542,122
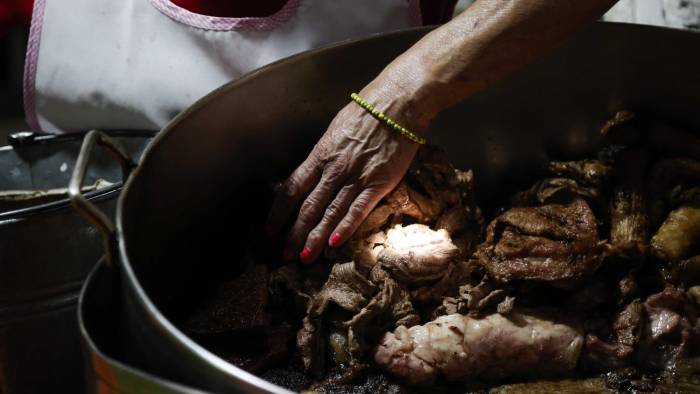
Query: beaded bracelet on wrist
x,y
389,122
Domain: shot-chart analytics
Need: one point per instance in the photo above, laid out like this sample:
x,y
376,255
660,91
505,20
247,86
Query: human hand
x,y
354,165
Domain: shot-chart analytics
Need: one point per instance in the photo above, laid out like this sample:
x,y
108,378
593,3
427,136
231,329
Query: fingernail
x,y
268,229
335,240
305,255
289,256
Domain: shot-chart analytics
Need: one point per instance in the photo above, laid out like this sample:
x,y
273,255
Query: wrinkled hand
x,y
355,163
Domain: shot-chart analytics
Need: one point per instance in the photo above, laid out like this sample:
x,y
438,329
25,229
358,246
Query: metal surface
x,y
46,251
101,321
86,208
203,185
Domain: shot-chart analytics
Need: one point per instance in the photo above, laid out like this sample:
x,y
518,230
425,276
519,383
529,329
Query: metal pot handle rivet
x,y
86,208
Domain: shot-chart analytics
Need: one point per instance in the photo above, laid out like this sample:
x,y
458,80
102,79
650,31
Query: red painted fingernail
x,y
289,256
335,240
305,255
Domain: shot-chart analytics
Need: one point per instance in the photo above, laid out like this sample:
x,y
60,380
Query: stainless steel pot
x,y
46,251
101,321
202,185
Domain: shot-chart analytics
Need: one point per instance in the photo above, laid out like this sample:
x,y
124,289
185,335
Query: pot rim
x,y
64,203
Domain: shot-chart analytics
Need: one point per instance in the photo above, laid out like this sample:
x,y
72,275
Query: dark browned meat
x,y
686,273
672,331
620,118
549,243
666,175
455,274
473,300
494,347
627,328
629,223
234,305
679,235
415,253
591,172
389,308
556,190
366,251
346,288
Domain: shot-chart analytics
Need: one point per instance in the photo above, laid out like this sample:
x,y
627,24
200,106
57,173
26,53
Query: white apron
x,y
135,64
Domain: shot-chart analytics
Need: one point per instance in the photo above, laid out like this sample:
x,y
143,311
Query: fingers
x,y
311,211
356,214
319,236
290,193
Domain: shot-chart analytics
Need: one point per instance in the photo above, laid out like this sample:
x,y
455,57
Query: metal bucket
x,y
101,322
203,184
46,251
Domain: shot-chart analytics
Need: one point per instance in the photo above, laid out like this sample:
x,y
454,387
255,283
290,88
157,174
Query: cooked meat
x,y
406,201
460,347
403,200
257,356
549,243
375,220
391,307
366,250
474,300
664,176
452,278
629,223
346,288
312,346
591,172
672,330
415,253
627,329
234,305
620,118
694,294
453,220
686,273
556,190
679,235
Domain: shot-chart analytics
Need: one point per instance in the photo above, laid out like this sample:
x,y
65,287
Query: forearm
x,y
482,45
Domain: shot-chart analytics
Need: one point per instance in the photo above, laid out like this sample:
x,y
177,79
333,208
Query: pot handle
x,y
86,208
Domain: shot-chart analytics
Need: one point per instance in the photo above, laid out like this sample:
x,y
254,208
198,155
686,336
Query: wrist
x,y
399,96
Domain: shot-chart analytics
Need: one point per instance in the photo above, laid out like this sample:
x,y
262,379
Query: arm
x,y
359,160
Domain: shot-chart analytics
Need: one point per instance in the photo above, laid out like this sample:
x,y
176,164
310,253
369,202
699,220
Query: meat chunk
x,y
629,222
664,176
672,331
232,306
390,307
679,235
591,172
549,243
556,190
460,347
416,253
627,329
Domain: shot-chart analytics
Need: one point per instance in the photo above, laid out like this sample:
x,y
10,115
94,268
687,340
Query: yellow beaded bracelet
x,y
380,115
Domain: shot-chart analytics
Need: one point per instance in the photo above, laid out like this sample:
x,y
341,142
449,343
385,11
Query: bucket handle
x,y
87,209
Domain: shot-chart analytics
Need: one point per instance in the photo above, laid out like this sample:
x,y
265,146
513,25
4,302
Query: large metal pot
x,y
46,251
203,183
101,320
